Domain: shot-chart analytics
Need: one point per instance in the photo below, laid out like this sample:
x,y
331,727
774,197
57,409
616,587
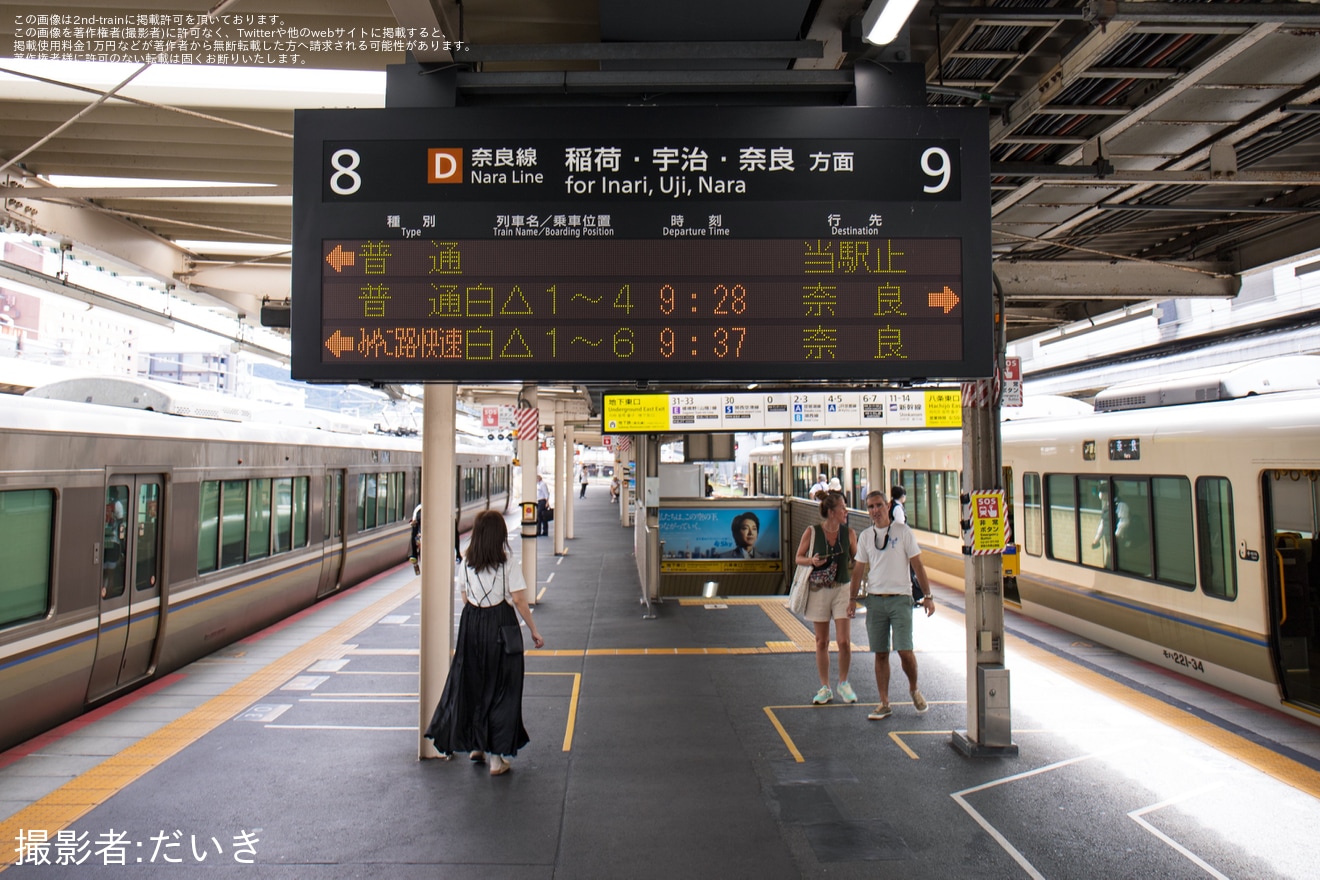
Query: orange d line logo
x,y
444,165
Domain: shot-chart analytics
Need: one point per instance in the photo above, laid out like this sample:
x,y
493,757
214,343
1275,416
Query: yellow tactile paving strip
x,y
66,804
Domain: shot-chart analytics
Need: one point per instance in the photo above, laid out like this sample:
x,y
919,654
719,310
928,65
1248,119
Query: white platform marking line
x,y
412,728
991,830
1137,816
353,700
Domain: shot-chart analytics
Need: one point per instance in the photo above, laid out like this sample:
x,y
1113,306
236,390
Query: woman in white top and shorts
x,y
829,549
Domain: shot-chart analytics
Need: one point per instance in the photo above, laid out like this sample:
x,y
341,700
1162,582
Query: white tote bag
x,y
797,595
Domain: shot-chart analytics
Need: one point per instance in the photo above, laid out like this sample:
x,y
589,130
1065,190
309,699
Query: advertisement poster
x,y
720,539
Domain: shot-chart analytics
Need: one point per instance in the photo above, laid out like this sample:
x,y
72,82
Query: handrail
x,y
1283,593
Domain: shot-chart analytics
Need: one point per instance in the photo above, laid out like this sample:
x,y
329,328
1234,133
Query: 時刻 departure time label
x,y
641,303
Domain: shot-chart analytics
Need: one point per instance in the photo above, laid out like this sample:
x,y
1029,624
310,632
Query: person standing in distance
x,y
897,495
880,581
542,506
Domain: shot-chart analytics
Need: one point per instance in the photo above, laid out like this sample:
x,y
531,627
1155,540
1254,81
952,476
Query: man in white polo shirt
x,y
881,582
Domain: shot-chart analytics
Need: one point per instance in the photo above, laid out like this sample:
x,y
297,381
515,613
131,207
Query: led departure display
x,y
651,246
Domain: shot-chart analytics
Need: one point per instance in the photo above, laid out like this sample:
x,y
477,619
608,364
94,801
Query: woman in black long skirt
x,y
480,710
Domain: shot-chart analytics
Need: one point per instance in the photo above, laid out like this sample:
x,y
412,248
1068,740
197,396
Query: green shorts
x,y
884,613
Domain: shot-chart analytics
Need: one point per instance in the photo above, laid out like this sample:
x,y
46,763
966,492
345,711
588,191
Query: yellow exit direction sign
x,y
635,413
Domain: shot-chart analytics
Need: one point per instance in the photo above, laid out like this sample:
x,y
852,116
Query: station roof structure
x,y
1140,150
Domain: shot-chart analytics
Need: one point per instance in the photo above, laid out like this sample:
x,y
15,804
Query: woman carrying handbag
x,y
829,549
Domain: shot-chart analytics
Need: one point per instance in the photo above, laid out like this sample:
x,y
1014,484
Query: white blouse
x,y
488,588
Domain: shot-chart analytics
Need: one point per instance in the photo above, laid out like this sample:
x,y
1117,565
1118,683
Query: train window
x,y
362,503
1215,537
283,515
858,487
114,565
918,505
334,505
208,527
804,477
27,520
952,504
368,502
382,499
1033,529
146,564
1132,527
396,496
1175,554
300,490
258,519
233,521
1061,531
1093,513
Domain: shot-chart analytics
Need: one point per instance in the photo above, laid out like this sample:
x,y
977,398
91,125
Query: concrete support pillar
x,y
563,476
570,435
529,450
786,467
989,727
439,492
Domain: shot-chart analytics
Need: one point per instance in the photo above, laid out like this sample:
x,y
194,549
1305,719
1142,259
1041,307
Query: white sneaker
x,y
846,692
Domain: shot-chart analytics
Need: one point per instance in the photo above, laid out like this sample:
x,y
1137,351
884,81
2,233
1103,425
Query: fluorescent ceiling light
x,y
201,85
130,182
884,19
243,248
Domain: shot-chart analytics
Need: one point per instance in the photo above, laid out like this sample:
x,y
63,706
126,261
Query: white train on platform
x,y
132,542
1186,535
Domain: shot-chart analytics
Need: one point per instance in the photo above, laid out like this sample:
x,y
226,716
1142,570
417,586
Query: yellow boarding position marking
x,y
571,726
783,734
77,797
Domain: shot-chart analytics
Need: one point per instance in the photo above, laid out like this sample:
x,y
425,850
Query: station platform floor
x,y
680,746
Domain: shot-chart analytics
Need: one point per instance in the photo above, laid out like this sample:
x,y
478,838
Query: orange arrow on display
x,y
339,258
945,299
338,343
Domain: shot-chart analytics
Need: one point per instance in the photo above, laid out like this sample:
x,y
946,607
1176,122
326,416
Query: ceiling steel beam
x,y
1139,114
432,15
681,51
1207,209
1087,175
1066,280
150,192
604,81
1176,14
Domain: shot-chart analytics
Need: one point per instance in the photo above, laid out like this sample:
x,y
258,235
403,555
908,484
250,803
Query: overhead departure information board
x,y
692,245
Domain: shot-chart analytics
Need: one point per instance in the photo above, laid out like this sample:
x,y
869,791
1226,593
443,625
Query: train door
x,y
335,546
130,582
1292,505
